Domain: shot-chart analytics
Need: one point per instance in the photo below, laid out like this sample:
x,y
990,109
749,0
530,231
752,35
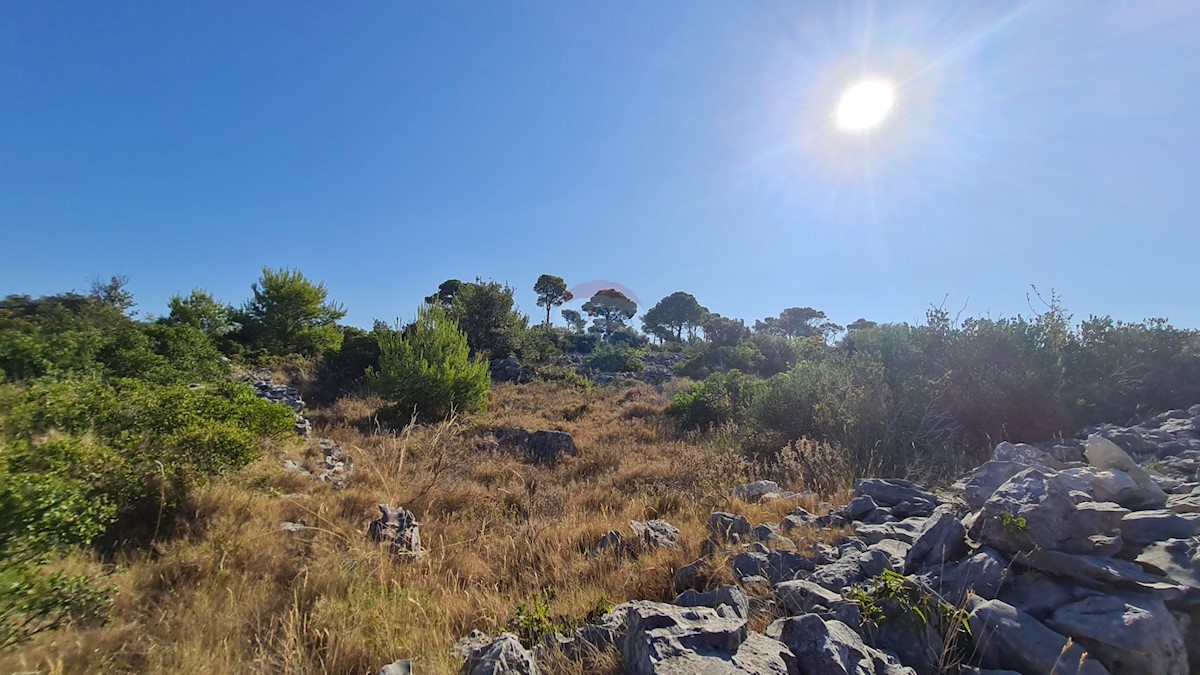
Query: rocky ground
x,y
1074,556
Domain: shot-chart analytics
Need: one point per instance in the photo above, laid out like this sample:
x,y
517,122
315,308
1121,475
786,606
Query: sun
x,y
865,105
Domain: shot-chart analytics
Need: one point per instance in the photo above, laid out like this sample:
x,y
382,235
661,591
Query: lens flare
x,y
865,105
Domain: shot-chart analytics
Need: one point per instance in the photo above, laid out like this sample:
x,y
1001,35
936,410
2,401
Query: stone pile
x,y
539,445
509,370
1076,556
283,395
335,467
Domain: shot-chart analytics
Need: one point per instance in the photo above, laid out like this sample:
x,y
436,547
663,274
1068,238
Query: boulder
x,y
400,667
1031,509
850,569
728,526
941,540
541,446
1096,570
889,493
503,655
729,601
1104,454
1178,559
982,573
801,597
987,477
775,566
859,507
830,648
509,370
1147,527
654,533
662,639
1005,637
753,492
1023,453
397,527
1135,636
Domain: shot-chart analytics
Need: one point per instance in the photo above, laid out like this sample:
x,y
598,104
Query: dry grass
x,y
234,593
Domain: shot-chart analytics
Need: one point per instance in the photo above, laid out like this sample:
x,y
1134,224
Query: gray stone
x,y
1146,527
1104,454
1135,637
895,550
664,639
941,540
776,566
687,576
541,446
1037,594
982,574
1024,454
654,533
336,465
1097,571
400,667
728,526
891,492
729,601
801,597
830,648
753,492
509,370
1178,559
502,655
987,477
1184,503
292,466
1030,510
398,528
850,569
859,507
1005,637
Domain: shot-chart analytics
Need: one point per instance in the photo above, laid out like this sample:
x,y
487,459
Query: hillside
x,y
260,489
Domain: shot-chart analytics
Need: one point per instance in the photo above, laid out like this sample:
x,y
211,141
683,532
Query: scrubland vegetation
x,y
142,499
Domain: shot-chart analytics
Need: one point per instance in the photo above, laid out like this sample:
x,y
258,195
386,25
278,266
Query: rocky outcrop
x,y
540,446
1076,556
398,528
509,370
282,394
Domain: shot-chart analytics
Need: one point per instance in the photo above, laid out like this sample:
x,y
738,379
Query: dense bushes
x,y
933,397
720,398
428,370
615,358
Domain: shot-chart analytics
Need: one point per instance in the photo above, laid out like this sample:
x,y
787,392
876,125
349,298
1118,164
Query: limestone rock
x,y
941,540
1105,454
398,528
728,526
1135,637
1146,527
830,647
1005,637
666,639
503,655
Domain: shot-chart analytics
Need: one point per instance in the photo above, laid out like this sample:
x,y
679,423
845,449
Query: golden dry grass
x,y
235,593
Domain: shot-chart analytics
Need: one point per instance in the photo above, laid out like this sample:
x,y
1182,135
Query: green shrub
x,y
720,398
428,370
615,358
162,438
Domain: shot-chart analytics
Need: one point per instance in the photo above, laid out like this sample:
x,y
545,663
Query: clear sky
x,y
385,146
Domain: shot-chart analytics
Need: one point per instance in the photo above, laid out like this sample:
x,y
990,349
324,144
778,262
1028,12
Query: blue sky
x,y
384,147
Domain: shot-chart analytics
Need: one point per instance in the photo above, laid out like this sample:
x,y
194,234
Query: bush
x,y
719,399
428,370
610,358
162,438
